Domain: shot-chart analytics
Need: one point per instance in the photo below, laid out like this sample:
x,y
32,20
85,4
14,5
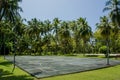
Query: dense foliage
x,y
57,37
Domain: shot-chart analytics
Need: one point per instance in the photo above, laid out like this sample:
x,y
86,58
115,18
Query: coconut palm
x,y
47,27
114,7
33,31
104,27
65,38
85,31
9,9
19,29
6,38
105,30
5,31
75,27
56,26
47,34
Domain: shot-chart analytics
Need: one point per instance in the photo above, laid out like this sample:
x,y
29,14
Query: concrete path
x,y
45,66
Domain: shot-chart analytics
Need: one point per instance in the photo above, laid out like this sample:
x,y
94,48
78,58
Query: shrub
x,y
103,49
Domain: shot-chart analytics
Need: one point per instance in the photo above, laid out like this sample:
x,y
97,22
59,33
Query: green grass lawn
x,y
112,73
6,72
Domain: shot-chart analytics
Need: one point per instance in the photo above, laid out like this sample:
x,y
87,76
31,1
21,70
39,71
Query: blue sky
x,y
64,10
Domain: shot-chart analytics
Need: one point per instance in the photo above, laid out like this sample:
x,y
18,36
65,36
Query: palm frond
x,y
108,3
107,9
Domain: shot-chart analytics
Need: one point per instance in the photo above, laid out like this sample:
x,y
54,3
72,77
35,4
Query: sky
x,y
67,10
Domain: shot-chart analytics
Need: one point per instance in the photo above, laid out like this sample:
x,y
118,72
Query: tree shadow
x,y
24,77
5,75
6,63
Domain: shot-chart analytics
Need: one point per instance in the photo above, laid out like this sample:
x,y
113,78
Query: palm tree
x,y
85,31
105,30
104,27
114,7
75,27
65,38
19,29
33,31
47,27
9,9
47,32
56,25
7,37
5,29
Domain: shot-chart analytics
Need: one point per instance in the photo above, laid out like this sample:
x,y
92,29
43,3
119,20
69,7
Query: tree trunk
x,y
108,51
14,56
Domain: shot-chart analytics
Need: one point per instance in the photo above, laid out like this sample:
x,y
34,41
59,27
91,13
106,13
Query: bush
x,y
103,49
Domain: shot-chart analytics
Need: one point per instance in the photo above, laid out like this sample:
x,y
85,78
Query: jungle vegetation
x,y
57,37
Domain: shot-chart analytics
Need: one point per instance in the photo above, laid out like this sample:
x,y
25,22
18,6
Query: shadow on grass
x,y
5,75
6,63
16,78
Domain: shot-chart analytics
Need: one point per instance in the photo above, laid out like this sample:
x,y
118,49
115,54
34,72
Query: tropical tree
x,y
56,26
47,34
97,42
75,27
5,36
9,9
114,7
85,32
104,28
65,38
19,30
105,31
33,31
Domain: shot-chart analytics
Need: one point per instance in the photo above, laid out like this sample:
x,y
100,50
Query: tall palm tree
x,y
65,38
75,27
7,37
114,7
56,26
19,29
33,31
85,31
47,31
105,30
9,9
5,31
